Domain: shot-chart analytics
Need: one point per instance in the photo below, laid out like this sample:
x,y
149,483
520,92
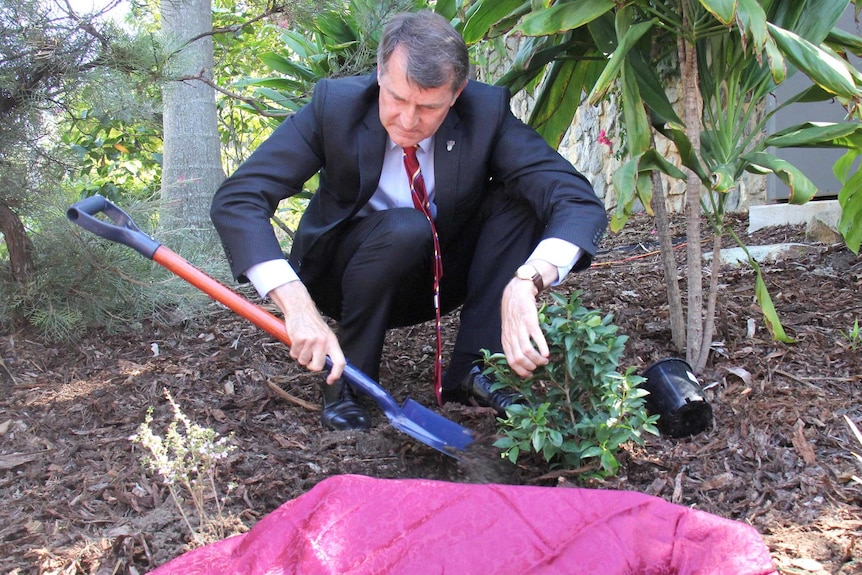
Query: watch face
x,y
530,273
526,272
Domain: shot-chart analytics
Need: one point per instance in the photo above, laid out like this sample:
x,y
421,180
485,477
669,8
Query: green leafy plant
x,y
854,336
187,458
581,410
724,60
340,40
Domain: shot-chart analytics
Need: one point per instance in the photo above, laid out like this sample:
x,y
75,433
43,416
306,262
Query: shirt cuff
x,y
559,253
266,276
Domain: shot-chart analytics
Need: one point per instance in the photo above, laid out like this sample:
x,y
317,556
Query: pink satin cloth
x,y
350,524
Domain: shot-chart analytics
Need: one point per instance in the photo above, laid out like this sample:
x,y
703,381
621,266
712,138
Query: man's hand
x,y
523,341
310,337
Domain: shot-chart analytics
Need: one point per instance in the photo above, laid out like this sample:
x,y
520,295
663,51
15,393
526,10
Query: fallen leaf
x,y
741,373
677,489
219,415
13,460
717,482
807,564
801,444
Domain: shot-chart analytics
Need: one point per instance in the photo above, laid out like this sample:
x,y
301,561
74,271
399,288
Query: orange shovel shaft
x,y
222,294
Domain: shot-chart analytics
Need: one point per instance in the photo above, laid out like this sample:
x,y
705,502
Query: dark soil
x,y
77,499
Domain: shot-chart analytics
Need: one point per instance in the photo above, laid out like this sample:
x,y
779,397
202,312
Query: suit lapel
x,y
370,147
447,163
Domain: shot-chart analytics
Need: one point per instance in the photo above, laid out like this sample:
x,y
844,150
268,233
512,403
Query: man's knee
x,y
404,235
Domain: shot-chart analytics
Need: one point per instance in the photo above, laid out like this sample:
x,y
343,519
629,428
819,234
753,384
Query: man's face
x,y
410,113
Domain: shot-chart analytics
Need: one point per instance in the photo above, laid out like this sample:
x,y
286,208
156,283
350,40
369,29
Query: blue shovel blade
x,y
412,418
431,428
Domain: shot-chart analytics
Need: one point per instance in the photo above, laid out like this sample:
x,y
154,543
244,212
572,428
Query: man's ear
x,y
458,93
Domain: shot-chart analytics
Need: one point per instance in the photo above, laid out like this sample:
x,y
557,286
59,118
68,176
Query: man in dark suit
x,y
510,217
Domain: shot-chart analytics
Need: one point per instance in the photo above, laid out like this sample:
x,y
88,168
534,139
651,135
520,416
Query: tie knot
x,y
410,151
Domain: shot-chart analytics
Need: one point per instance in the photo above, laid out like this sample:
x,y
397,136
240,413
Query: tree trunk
x,y
692,116
668,260
17,242
192,167
709,327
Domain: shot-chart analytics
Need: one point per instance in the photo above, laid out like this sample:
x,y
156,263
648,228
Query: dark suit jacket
x,y
340,135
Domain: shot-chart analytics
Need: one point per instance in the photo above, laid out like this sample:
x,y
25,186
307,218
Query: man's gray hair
x,y
436,53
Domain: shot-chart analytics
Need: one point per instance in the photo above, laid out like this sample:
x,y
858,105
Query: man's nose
x,y
409,117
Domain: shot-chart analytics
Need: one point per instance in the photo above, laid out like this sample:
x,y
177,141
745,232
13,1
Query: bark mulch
x,y
75,497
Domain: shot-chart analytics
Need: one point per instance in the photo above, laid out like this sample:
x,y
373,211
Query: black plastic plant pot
x,y
676,396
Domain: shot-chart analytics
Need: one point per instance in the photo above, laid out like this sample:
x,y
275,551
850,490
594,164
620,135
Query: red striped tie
x,y
421,203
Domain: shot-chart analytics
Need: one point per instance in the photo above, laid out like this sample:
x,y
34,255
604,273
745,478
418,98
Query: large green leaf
x,y
819,134
801,188
556,106
631,181
841,40
529,61
286,66
485,14
821,66
447,8
652,160
752,23
561,17
850,200
300,46
653,93
815,18
686,151
776,61
618,60
764,300
334,26
723,10
625,182
635,116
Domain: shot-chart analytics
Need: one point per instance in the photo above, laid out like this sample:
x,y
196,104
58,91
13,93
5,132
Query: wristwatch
x,y
529,272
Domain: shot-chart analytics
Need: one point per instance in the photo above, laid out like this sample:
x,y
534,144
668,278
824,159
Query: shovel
x,y
412,418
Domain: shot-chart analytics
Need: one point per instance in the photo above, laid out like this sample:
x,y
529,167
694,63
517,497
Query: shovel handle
x,y
124,231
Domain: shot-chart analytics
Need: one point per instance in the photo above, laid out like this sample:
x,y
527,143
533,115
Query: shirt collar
x,y
424,145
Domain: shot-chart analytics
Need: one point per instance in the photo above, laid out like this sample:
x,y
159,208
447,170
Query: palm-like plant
x,y
730,55
340,40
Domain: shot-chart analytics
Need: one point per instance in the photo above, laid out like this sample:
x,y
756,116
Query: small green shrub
x,y
581,410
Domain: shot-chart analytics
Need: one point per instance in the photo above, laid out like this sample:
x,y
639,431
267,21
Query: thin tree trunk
x,y
692,115
676,315
709,327
17,242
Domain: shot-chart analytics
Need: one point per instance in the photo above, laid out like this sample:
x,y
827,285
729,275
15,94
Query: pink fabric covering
x,y
360,525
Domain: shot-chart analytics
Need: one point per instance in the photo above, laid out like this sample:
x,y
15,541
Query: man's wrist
x,y
268,275
529,272
547,274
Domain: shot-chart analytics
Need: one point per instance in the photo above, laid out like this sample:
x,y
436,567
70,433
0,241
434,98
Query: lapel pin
x,y
449,145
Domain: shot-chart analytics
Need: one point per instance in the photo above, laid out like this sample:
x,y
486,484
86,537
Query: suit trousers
x,y
377,275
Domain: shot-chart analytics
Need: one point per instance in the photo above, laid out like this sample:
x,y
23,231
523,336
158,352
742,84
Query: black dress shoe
x,y
478,387
341,412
